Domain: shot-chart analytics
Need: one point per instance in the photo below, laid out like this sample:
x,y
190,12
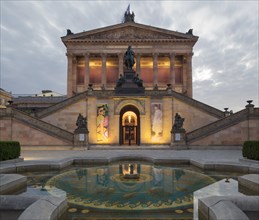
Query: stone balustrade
x,y
218,125
37,123
61,105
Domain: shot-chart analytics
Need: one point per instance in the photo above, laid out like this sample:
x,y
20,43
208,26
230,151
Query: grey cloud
x,y
33,56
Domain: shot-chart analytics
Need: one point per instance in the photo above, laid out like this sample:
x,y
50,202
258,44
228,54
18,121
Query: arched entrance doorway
x,y
129,126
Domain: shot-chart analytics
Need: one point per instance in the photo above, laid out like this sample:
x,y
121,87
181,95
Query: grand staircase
x,y
221,124
37,123
60,105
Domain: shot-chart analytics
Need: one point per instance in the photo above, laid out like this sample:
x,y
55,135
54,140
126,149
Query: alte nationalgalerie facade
x,y
110,103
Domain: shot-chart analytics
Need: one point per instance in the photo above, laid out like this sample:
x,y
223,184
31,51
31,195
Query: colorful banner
x,y
102,122
156,120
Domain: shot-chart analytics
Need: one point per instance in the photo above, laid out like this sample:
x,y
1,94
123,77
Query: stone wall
x,y
66,117
194,117
12,129
32,131
234,135
5,129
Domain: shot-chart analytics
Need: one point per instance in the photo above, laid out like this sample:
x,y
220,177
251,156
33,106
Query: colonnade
x,y
72,70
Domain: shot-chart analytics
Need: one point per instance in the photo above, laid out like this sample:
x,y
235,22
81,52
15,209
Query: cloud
x,y
225,61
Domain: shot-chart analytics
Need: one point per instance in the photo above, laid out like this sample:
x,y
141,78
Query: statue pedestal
x,y
129,75
81,139
178,139
129,87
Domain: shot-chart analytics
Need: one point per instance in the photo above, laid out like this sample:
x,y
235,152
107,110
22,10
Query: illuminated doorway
x,y
129,126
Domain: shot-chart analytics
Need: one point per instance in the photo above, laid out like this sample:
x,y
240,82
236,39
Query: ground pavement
x,y
204,155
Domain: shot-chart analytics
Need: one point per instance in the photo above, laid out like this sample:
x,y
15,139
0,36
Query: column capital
x,y
172,54
86,54
155,54
189,54
74,59
103,55
138,54
120,55
69,55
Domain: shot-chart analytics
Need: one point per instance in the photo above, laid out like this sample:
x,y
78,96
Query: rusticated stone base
x,y
81,141
178,140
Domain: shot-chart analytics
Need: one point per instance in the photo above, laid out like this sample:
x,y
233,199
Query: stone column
x,y
69,74
74,69
120,56
155,68
172,73
104,69
189,74
138,65
184,74
87,70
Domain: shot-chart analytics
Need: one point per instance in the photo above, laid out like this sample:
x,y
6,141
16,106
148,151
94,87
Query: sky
x,y
225,60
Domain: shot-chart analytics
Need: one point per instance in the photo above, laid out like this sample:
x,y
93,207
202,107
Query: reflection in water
x,y
106,188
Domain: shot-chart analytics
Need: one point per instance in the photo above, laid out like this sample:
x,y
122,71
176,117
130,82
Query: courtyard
x,y
231,170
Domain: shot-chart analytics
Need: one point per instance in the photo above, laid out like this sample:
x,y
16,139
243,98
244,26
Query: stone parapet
x,y
217,126
29,166
249,183
194,103
228,207
12,206
61,105
39,124
12,183
46,208
161,93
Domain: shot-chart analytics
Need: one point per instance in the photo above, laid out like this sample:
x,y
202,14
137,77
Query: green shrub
x,y
251,150
9,150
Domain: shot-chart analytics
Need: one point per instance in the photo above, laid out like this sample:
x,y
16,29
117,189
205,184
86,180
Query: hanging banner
x,y
156,120
102,122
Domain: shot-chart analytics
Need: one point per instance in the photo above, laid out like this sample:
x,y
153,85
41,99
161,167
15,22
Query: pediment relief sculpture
x,y
131,33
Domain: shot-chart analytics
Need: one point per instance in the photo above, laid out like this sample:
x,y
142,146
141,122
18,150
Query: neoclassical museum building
x,y
127,84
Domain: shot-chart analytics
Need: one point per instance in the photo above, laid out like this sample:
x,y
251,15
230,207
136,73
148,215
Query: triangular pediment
x,y
128,31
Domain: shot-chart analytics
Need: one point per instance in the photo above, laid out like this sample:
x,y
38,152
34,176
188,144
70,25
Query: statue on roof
x,y
190,32
128,17
69,32
128,59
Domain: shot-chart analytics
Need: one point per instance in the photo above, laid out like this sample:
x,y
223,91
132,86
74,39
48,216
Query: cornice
x,y
130,25
130,41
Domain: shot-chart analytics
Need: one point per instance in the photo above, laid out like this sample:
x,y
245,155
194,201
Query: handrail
x,y
217,125
60,105
37,123
208,109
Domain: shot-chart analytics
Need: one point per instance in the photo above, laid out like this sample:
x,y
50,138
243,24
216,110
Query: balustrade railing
x,y
34,122
218,125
